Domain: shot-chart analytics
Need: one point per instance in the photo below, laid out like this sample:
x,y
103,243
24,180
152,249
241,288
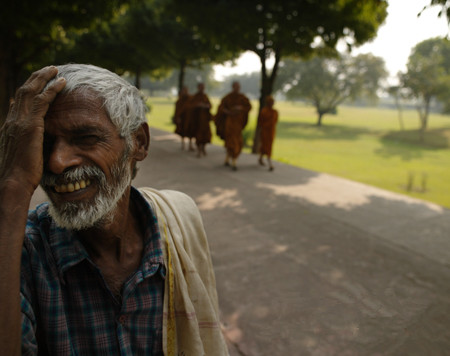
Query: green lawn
x,y
362,144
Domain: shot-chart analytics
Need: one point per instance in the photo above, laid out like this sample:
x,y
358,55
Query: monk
x,y
267,121
199,118
180,116
232,117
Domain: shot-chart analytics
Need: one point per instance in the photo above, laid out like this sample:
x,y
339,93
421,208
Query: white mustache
x,y
76,174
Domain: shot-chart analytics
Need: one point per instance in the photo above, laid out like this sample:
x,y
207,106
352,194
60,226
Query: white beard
x,y
99,211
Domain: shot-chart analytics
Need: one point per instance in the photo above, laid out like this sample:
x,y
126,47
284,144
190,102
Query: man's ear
x,y
142,141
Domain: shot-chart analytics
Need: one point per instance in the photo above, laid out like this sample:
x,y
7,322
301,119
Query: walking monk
x,y
199,118
232,117
267,121
180,116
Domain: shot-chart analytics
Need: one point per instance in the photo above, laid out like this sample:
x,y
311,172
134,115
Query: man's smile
x,y
72,186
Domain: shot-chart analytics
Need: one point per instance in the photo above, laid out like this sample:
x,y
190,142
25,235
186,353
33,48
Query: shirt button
x,y
122,319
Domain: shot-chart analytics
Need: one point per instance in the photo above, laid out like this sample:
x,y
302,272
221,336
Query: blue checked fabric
x,y
67,309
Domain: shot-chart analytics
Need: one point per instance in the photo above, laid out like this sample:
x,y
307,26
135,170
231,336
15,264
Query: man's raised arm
x,y
21,167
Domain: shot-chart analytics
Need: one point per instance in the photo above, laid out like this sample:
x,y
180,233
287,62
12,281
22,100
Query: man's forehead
x,y
77,100
78,110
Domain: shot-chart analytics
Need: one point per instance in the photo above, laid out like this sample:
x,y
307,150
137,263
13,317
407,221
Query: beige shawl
x,y
191,324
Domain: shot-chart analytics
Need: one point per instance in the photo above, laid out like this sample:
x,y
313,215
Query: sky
x,y
401,31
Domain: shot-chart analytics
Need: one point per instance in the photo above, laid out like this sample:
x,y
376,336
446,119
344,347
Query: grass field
x,y
361,144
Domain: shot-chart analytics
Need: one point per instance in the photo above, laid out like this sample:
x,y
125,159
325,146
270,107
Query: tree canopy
x,y
146,38
32,32
445,8
327,82
428,76
131,42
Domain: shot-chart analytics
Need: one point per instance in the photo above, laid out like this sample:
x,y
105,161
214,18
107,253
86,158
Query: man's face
x,y
86,164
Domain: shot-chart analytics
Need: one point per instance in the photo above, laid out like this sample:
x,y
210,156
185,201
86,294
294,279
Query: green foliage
x,y
289,26
146,38
131,42
428,76
31,33
445,8
327,82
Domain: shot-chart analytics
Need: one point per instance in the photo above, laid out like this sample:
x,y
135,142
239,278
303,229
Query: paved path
x,y
311,264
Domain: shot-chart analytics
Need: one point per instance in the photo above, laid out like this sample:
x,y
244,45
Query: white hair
x,y
123,102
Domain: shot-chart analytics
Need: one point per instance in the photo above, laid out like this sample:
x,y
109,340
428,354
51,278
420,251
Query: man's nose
x,y
62,156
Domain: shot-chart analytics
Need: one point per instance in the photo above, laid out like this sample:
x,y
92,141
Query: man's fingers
x,y
30,97
50,93
39,79
35,84
42,101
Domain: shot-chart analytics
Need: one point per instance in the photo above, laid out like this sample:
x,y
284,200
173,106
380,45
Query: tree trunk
x,y
137,79
423,116
319,118
181,75
400,113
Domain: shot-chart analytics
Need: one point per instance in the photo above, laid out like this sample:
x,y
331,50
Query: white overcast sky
x,y
401,31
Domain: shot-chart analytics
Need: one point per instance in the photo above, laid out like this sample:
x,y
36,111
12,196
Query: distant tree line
x,y
327,82
155,36
158,38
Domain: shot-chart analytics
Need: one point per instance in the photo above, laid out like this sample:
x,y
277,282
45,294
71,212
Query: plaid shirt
x,y
67,308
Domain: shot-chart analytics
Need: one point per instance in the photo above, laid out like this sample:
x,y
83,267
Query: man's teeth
x,y
71,187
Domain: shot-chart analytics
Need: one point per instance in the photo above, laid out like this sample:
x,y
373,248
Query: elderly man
x,y
104,269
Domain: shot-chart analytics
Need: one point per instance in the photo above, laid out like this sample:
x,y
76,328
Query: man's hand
x,y
22,136
21,166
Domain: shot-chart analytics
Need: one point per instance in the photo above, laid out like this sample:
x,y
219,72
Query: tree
x,y
428,76
31,32
445,8
131,42
184,47
275,29
327,82
146,38
397,92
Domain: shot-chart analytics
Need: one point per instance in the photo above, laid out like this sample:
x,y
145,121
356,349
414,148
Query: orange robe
x,y
199,118
179,117
231,119
267,121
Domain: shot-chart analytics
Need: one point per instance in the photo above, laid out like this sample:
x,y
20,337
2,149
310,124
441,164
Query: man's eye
x,y
87,139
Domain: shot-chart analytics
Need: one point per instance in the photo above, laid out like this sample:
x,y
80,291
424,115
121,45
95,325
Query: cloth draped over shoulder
x,y
191,325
